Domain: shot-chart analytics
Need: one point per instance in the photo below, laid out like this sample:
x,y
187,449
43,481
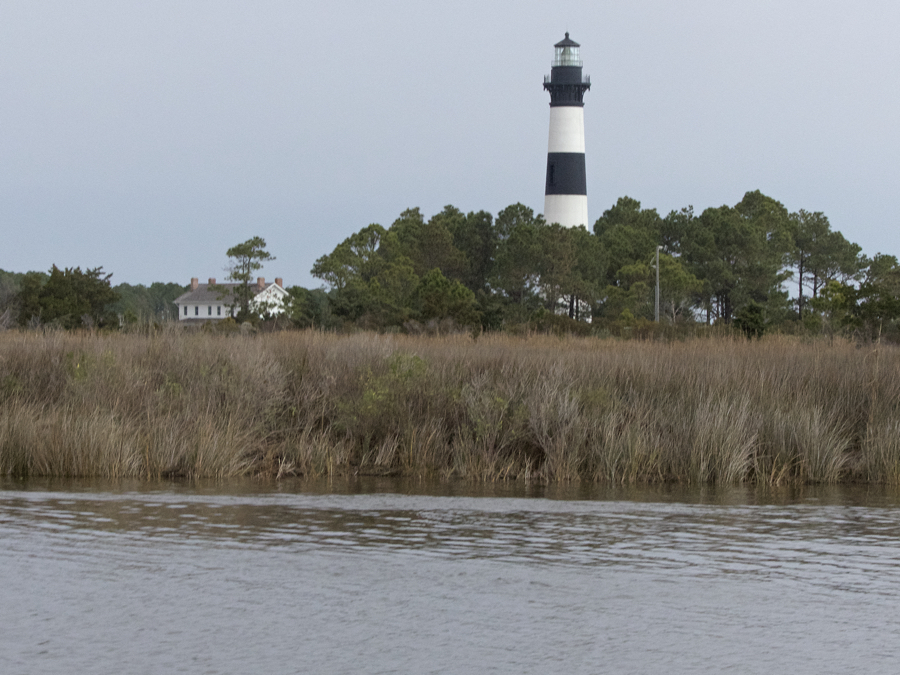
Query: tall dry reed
x,y
703,411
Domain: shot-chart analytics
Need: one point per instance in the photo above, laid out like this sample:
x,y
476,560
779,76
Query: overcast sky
x,y
149,137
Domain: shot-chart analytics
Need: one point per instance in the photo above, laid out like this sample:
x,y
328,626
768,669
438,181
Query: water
x,y
385,577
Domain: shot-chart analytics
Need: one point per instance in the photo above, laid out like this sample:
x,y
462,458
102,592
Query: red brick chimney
x,y
261,283
194,283
279,282
212,281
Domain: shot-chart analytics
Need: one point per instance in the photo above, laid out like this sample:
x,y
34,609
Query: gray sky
x,y
149,137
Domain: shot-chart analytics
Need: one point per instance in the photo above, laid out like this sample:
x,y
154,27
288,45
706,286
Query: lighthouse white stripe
x,y
567,210
566,129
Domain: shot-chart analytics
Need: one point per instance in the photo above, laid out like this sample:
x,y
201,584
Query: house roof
x,y
203,295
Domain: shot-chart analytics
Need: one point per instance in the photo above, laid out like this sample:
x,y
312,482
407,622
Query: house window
x,y
209,310
219,310
185,310
196,310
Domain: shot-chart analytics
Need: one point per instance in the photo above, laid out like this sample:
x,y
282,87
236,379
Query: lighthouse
x,y
565,196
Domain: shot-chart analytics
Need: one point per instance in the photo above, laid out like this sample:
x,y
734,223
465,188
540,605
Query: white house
x,y
212,304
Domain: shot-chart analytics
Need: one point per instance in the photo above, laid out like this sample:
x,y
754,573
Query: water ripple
x,y
843,547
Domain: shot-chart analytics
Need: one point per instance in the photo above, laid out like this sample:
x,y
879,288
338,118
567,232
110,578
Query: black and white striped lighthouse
x,y
565,196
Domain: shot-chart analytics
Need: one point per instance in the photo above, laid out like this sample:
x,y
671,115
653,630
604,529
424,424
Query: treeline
x,y
730,264
754,265
72,298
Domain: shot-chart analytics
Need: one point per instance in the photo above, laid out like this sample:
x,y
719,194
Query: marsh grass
x,y
722,410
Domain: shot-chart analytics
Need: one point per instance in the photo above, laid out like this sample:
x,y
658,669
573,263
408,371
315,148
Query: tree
x,y
570,268
834,304
244,261
590,270
372,280
517,262
751,319
28,301
677,288
359,258
877,300
675,228
628,235
10,286
430,245
438,297
557,266
819,254
739,252
635,292
70,298
512,217
476,239
308,308
155,302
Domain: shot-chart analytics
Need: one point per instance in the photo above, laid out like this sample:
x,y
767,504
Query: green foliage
x,y
28,300
820,255
245,260
876,306
833,304
545,321
10,288
751,319
870,310
558,266
738,252
69,298
714,264
636,290
226,326
516,267
358,259
628,234
677,289
438,297
143,303
380,408
430,245
476,239
309,308
372,281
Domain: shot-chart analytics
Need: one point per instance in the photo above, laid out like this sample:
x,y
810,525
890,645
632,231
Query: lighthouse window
x,y
551,174
567,56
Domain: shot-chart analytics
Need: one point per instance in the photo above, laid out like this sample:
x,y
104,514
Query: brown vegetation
x,y
716,410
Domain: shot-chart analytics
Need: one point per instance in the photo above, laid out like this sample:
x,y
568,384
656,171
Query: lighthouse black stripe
x,y
565,174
